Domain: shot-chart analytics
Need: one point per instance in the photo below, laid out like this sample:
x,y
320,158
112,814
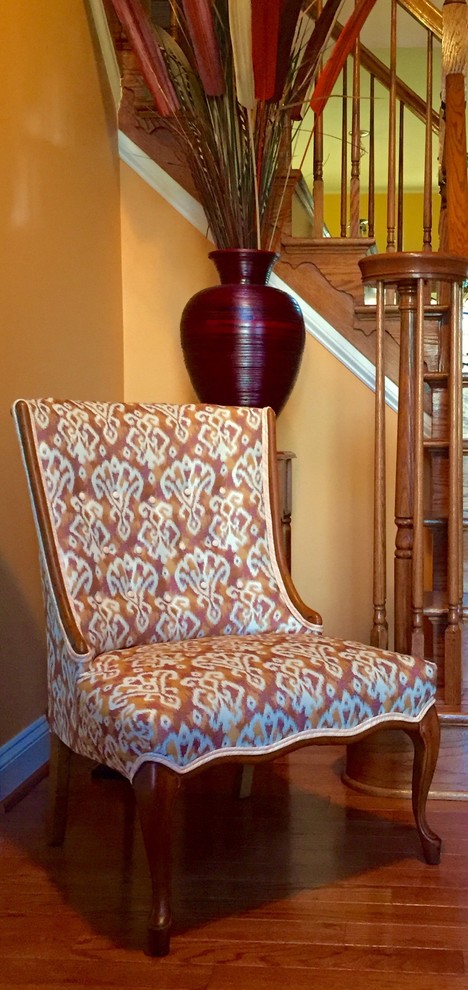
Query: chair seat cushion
x,y
185,704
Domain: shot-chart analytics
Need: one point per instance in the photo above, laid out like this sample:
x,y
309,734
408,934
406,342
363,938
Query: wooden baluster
x,y
371,193
404,472
427,209
379,632
417,637
344,155
454,57
355,187
412,274
439,466
319,215
317,228
454,630
401,143
392,132
442,183
284,461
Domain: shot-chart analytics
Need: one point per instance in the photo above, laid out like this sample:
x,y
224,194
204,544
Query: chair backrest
x,y
156,519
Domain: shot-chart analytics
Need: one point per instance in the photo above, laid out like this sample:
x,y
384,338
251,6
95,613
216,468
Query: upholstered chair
x,y
176,638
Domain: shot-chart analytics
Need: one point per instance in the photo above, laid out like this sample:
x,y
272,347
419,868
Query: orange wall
x,y
328,421
61,285
164,262
63,332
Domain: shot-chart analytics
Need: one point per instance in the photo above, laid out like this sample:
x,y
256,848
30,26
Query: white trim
x,y
106,45
162,183
342,349
350,735
316,325
21,756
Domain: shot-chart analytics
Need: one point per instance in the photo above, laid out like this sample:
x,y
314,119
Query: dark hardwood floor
x,y
306,884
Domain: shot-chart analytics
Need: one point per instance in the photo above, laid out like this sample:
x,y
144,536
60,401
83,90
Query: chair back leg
x,y
59,777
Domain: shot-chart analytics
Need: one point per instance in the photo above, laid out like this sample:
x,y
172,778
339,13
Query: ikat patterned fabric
x,y
163,535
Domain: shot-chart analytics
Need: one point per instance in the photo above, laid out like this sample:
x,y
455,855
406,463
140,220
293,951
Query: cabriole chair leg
x,y
155,789
426,739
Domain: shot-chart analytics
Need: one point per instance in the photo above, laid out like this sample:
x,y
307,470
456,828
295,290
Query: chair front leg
x,y
155,788
426,740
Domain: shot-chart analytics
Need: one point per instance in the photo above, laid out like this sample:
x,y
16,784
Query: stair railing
x,y
360,106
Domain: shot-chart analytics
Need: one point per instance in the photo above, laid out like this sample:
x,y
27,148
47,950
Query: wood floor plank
x,y
227,978
304,884
308,956
414,936
128,974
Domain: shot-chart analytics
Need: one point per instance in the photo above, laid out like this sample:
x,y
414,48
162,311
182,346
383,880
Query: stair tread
x,y
443,445
452,713
369,309
435,521
362,244
436,604
442,376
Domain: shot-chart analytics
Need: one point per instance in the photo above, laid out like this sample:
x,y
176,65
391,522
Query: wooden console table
x,y
285,459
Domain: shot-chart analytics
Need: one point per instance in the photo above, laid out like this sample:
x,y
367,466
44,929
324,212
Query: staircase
x,y
326,272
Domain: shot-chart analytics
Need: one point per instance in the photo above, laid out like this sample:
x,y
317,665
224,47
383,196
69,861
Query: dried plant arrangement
x,y
233,85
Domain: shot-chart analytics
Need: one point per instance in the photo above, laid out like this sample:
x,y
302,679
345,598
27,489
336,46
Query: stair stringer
x,y
326,274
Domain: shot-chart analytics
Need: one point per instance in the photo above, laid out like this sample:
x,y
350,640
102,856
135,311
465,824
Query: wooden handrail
x,y
426,14
404,93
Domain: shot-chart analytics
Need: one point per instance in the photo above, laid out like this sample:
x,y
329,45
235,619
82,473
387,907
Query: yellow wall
x,y
329,424
328,421
61,285
412,219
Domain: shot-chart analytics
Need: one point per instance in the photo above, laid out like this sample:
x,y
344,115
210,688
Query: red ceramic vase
x,y
243,340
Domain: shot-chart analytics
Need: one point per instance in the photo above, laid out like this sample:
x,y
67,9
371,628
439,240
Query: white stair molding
x,y
106,45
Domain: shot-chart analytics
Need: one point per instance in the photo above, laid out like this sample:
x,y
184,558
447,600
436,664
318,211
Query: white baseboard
x,y
23,755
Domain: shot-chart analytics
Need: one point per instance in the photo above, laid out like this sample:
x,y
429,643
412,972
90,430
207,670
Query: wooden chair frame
x,y
155,786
